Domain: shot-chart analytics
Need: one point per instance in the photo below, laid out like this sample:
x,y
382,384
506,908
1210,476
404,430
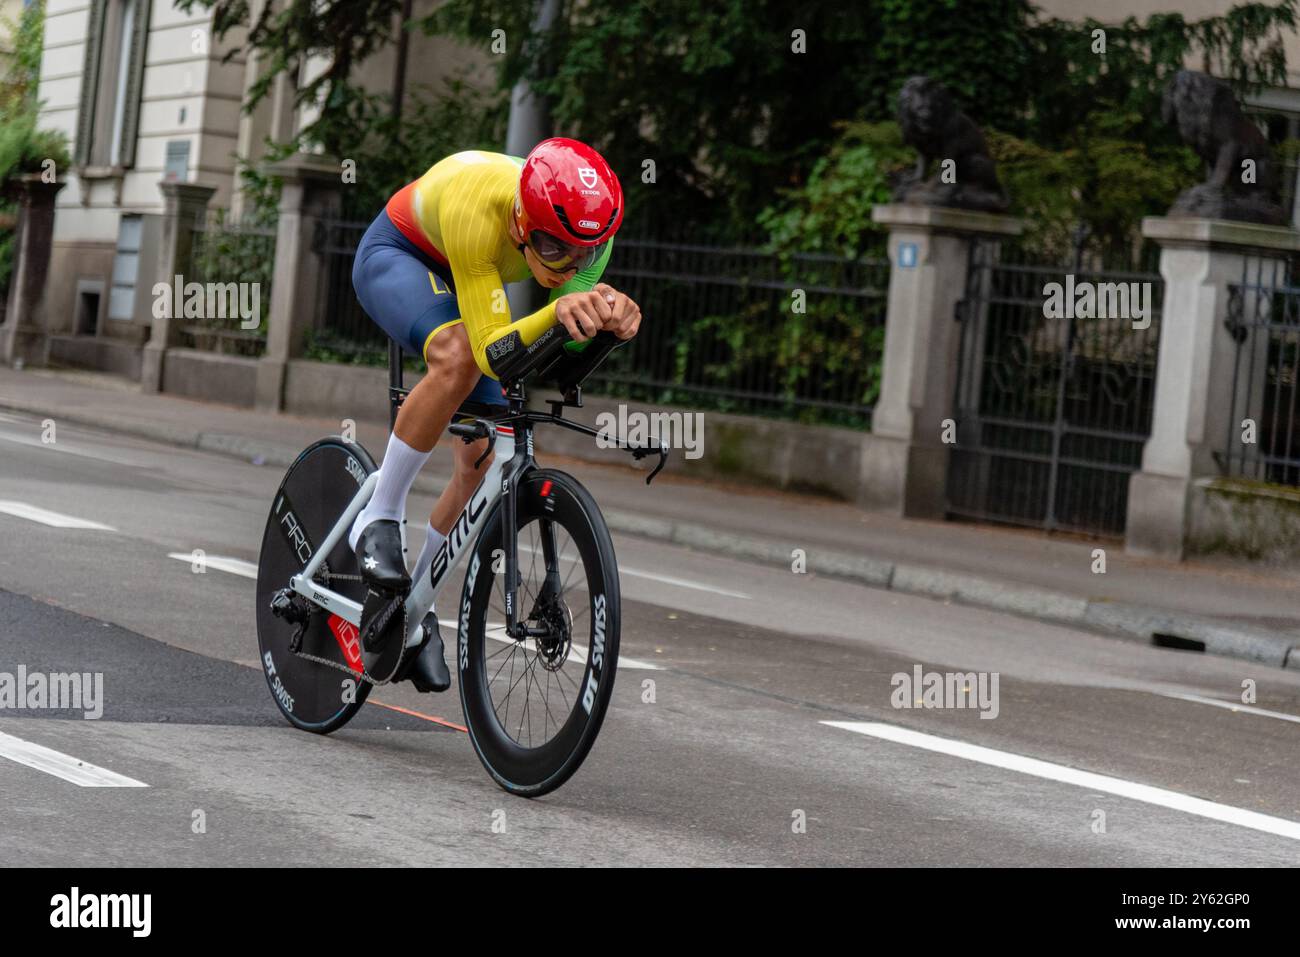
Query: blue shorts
x,y
409,295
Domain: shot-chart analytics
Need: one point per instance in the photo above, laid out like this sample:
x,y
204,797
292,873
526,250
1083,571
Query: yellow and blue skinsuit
x,y
440,253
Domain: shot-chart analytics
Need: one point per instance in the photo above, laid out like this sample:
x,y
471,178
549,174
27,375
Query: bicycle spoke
x,y
528,697
571,681
564,674
511,683
533,723
546,697
576,563
509,649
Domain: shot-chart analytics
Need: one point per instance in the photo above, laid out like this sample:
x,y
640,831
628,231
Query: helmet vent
x,y
585,234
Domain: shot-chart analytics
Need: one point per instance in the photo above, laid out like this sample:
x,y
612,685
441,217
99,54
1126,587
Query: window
x,y
126,269
110,84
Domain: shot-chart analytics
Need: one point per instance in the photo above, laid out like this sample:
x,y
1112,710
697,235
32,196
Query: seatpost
x,y
394,382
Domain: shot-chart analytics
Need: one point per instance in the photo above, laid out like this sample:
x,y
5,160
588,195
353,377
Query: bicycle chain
x,y
365,675
337,666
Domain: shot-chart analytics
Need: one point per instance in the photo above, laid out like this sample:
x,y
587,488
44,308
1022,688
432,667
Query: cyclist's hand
x,y
625,315
583,314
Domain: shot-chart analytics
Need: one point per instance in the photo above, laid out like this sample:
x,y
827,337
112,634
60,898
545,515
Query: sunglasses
x,y
559,256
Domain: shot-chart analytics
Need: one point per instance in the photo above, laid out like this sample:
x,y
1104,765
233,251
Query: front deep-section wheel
x,y
534,703
317,488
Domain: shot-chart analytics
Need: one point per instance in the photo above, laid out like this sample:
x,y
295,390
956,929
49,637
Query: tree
x,y
709,110
24,147
353,123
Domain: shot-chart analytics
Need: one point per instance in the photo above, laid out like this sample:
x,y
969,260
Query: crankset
x,y
393,660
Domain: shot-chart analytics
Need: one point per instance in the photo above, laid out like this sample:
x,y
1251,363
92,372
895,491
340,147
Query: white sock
x,y
401,465
432,542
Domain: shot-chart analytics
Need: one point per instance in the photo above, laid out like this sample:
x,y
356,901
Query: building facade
x,y
145,94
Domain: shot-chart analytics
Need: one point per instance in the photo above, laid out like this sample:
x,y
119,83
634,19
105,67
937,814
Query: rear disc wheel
x,y
316,490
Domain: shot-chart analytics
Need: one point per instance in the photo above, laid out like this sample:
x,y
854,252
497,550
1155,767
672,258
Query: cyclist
x,y
430,270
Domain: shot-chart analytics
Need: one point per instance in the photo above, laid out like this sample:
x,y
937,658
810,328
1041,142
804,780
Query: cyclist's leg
x,y
448,348
465,477
413,306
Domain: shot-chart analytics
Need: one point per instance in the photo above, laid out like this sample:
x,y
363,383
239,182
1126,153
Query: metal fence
x,y
343,332
225,251
1263,440
1052,410
737,330
752,332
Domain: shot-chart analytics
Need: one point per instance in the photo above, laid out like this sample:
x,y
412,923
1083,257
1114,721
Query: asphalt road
x,y
758,730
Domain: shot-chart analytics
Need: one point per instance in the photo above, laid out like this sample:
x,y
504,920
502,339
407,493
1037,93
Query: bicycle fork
x,y
519,467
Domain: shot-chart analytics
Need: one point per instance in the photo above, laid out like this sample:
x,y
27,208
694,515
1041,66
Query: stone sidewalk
x,y
1238,609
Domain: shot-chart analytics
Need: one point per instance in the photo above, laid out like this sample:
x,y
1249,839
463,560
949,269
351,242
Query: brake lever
x,y
480,429
491,431
641,453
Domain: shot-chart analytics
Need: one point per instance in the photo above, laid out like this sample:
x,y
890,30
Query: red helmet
x,y
569,205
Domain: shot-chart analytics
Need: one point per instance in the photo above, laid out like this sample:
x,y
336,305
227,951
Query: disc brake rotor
x,y
553,648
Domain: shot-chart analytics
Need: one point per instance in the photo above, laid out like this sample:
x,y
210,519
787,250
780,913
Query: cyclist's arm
x,y
485,309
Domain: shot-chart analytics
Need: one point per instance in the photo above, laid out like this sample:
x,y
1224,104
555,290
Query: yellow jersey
x,y
459,213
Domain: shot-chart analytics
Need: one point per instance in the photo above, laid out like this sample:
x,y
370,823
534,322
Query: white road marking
x,y
235,566
1084,779
63,765
682,583
654,576
63,447
46,517
577,652
1231,706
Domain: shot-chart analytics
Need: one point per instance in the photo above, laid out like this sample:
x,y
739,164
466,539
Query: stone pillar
x,y
905,464
1199,258
312,193
22,337
183,204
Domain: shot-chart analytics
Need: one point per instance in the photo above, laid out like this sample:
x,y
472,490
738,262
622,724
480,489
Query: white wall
x,y
1116,11
186,94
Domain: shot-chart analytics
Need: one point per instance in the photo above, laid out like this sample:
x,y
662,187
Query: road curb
x,y
1142,623
1119,619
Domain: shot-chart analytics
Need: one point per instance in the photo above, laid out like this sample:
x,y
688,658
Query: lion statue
x,y
1243,181
932,124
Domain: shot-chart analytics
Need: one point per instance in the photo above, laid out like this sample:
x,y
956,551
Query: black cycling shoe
x,y
380,558
429,670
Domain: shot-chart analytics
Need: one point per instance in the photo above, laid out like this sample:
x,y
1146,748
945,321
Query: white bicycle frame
x,y
460,539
